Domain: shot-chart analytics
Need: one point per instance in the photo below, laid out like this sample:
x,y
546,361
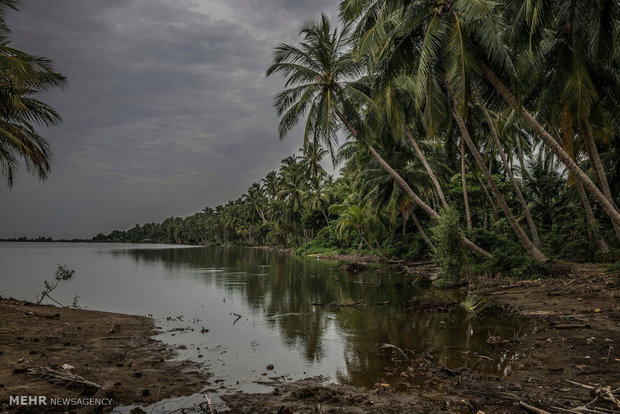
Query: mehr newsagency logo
x,y
41,400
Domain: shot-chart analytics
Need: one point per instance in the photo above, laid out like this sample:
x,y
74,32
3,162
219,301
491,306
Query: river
x,y
237,310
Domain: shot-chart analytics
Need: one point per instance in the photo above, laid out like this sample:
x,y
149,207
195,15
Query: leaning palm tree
x,y
322,85
22,76
443,54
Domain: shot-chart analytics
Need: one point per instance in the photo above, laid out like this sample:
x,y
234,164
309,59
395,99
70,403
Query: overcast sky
x,y
167,108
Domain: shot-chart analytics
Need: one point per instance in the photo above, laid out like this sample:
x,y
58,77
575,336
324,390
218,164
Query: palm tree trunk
x,y
414,197
486,193
521,157
422,232
515,186
557,149
325,217
523,239
372,248
427,167
595,158
464,183
592,223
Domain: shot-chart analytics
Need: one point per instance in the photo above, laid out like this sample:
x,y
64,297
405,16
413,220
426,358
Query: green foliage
x,y
22,77
449,254
472,302
327,242
408,246
509,260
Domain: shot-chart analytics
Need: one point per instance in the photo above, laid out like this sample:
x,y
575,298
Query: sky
x,y
166,110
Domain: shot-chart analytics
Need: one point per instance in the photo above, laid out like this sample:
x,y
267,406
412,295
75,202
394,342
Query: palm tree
x,y
320,77
444,53
580,39
21,77
312,155
513,181
360,220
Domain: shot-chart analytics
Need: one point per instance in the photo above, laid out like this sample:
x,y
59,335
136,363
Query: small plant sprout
x,y
62,274
472,302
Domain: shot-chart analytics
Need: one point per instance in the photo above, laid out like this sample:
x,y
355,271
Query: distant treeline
x,y
42,239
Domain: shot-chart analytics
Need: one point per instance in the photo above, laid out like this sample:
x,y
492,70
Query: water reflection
x,y
282,289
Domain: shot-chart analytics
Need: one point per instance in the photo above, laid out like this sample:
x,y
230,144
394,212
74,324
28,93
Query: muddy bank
x,y
111,356
566,360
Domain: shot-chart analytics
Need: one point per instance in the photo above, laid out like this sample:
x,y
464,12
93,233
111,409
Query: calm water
x,y
190,288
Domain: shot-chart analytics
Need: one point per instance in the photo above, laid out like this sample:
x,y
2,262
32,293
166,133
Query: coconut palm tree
x,y
361,220
321,79
443,52
22,76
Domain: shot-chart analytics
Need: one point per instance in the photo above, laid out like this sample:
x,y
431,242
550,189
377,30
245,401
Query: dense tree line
x,y
502,114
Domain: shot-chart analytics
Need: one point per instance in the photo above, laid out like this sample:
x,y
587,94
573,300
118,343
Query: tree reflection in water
x,y
283,288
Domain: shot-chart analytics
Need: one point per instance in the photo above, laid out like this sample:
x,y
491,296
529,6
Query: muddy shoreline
x,y
115,352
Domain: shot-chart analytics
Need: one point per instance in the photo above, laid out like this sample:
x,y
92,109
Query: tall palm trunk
x,y
557,149
427,167
592,223
486,193
464,184
521,157
379,255
595,158
432,213
523,239
515,186
422,232
414,197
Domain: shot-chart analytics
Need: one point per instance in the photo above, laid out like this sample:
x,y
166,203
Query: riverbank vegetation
x,y
500,117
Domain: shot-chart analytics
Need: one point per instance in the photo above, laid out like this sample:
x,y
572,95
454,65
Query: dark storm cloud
x,y
167,108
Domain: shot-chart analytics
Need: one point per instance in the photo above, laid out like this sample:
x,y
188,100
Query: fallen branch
x,y
532,409
57,375
43,315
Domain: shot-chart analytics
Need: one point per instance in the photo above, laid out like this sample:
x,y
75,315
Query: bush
x,y
408,246
326,242
449,253
509,260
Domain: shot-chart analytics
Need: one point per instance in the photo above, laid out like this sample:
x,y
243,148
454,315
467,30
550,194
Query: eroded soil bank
x,y
111,355
567,362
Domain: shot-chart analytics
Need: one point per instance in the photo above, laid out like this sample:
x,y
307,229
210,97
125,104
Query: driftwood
x,y
43,315
57,375
532,409
603,393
